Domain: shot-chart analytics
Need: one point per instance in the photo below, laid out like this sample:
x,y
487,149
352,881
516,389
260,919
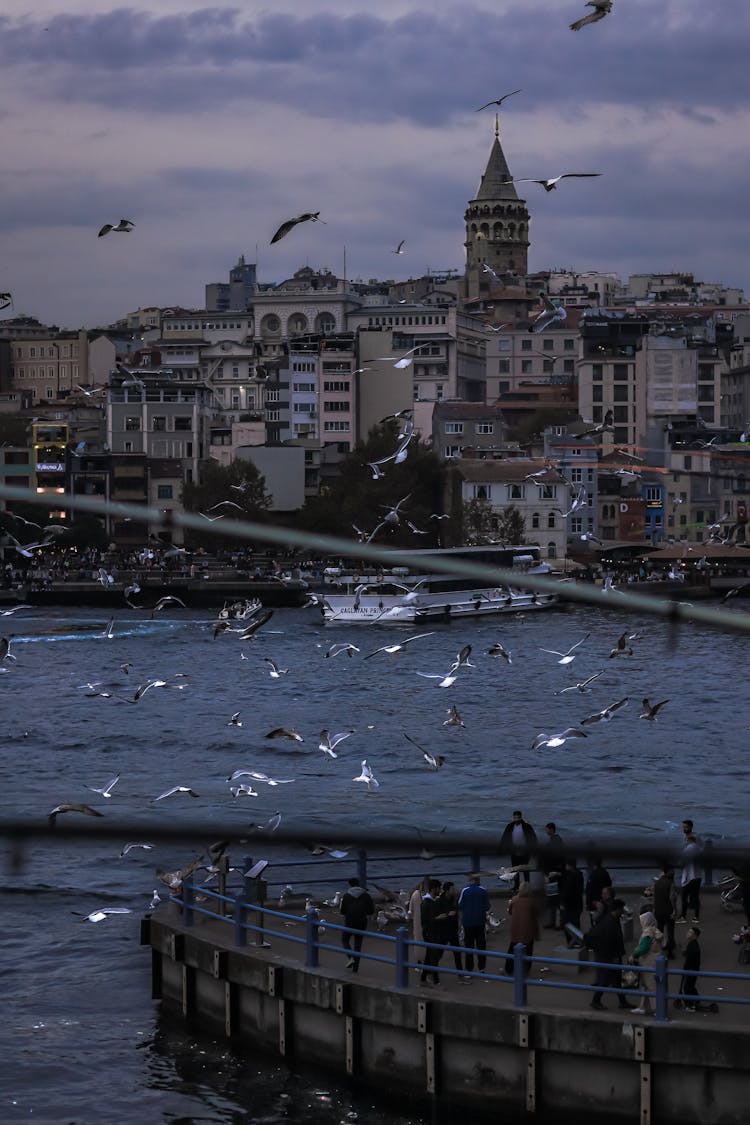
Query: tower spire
x,y
497,126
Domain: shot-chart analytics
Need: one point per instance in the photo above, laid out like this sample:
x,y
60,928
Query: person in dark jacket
x,y
473,907
691,965
552,866
518,840
571,897
357,907
665,906
430,932
447,920
608,944
598,879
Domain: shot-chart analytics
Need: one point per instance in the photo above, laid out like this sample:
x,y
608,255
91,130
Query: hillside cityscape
x,y
571,410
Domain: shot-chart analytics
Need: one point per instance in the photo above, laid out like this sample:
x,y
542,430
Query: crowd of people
x,y
550,890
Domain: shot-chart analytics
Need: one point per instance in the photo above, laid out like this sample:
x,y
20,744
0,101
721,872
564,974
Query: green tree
x,y
238,489
484,524
358,498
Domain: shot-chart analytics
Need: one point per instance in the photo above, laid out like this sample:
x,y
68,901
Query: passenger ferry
x,y
410,595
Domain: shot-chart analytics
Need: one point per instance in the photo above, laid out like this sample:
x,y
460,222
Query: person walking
x,y
608,945
690,881
552,865
356,906
598,879
665,906
645,953
690,966
473,907
414,914
518,840
430,933
524,925
571,898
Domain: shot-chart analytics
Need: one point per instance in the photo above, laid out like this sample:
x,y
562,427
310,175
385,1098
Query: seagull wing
x,y
283,230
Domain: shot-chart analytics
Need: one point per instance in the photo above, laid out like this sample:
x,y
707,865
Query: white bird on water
x,y
367,776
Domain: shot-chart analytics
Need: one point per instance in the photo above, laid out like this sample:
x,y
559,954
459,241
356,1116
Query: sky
x,y
208,124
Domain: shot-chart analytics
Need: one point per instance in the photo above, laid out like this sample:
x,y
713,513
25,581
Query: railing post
x,y
188,900
708,862
660,977
476,860
240,933
519,975
362,867
247,863
402,957
312,920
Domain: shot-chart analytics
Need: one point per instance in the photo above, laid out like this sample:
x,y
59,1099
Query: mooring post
x,y
402,957
240,933
188,900
312,920
519,975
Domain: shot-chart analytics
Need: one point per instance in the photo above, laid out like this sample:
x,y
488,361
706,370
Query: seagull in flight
x,y
367,776
6,300
337,649
454,718
329,742
235,720
499,649
271,824
400,248
106,790
404,360
177,789
285,732
497,101
601,8
104,912
551,183
243,790
398,647
582,687
263,777
550,314
434,761
276,670
290,224
554,740
129,847
569,656
605,715
59,809
650,711
124,226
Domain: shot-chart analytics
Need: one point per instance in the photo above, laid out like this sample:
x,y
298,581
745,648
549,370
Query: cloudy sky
x,y
209,123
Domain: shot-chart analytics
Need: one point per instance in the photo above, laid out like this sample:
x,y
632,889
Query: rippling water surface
x,y
83,1042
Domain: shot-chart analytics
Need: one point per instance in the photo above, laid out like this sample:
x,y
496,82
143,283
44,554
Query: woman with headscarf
x,y
645,953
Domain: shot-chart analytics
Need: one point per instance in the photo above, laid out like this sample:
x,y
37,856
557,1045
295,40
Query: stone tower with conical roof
x,y
497,228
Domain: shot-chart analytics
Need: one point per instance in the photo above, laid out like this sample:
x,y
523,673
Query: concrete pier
x,y
470,1044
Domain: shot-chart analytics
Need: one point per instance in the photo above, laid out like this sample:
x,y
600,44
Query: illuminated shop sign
x,y
50,467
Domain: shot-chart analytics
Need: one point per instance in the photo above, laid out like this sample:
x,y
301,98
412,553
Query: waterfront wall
x,y
481,1057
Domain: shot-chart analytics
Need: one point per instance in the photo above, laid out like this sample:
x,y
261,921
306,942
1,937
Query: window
x,y
331,426
452,451
183,422
484,428
132,423
547,491
309,407
503,367
330,386
164,492
454,427
548,345
535,519
620,393
597,394
576,525
527,366
481,491
620,413
551,551
569,366
516,491
160,423
551,521
576,476
653,493
620,370
526,345
569,345
439,392
597,371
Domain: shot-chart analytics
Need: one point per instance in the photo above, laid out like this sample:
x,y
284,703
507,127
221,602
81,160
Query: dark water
x,y
81,1039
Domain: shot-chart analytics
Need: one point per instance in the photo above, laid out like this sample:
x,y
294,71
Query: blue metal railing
x,y
513,967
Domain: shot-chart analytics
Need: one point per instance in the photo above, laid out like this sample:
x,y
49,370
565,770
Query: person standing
x,y
473,907
665,906
690,881
430,933
598,879
414,915
552,864
518,840
608,945
447,920
645,953
571,897
690,966
524,925
356,906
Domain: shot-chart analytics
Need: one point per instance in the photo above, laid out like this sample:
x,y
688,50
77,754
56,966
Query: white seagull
x,y
106,790
337,649
398,647
550,314
404,360
583,687
263,777
275,671
124,226
605,715
329,742
105,911
555,740
129,848
570,655
243,790
367,776
551,183
177,789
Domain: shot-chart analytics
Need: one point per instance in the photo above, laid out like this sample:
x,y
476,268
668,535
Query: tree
x,y
484,524
238,489
357,498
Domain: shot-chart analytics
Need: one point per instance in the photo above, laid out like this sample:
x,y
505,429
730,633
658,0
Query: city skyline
x,y
209,125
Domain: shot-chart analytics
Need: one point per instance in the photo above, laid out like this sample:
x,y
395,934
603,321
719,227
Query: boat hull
x,y
372,609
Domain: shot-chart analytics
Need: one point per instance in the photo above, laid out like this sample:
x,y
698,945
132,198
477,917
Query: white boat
x,y
400,596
